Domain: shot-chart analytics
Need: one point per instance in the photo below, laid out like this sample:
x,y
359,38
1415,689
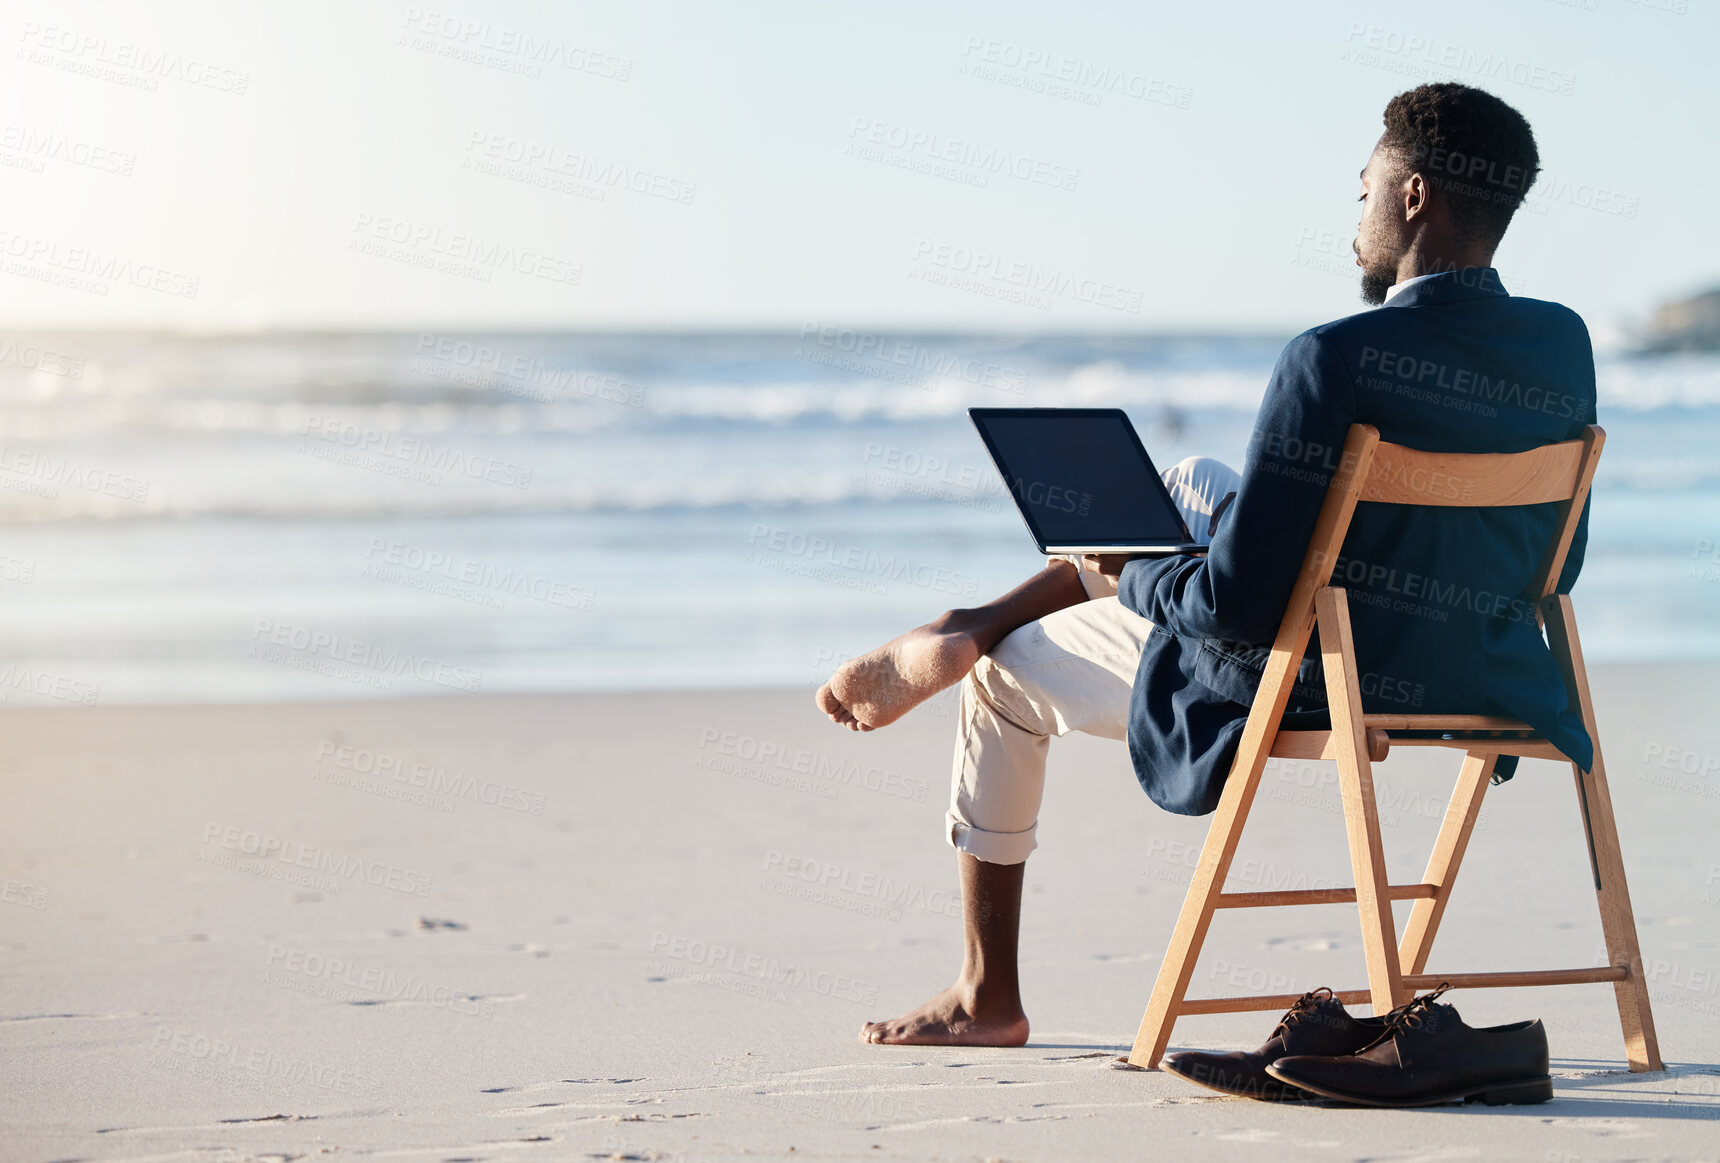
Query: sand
x,y
650,926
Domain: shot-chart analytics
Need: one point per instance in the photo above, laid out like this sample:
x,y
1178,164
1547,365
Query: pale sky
x,y
1156,166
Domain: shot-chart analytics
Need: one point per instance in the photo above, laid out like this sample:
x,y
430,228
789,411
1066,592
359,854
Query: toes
x,y
827,700
837,713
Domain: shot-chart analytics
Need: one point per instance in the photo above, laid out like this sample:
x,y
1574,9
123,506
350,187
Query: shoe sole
x,y
1521,1093
1293,1094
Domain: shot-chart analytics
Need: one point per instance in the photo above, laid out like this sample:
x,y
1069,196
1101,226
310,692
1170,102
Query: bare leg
x,y
876,689
983,1007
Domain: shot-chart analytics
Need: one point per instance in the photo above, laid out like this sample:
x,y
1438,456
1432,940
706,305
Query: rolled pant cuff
x,y
991,847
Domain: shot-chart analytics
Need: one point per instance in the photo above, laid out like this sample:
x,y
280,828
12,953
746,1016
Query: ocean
x,y
326,516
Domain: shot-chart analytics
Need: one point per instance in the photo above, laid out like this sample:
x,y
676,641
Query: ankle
x,y
988,998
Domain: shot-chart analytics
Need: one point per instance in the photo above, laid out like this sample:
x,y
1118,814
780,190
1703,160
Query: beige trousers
x,y
1069,671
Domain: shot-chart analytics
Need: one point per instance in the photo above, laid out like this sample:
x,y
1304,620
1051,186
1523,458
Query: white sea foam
x,y
228,427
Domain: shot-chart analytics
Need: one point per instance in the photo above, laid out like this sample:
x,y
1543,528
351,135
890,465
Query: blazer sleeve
x,y
1239,589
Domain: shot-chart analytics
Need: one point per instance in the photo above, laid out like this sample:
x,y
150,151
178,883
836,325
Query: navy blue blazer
x,y
1439,597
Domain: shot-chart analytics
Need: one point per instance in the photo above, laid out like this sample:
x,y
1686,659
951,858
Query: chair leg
x,y
1618,921
1196,917
1361,809
1442,866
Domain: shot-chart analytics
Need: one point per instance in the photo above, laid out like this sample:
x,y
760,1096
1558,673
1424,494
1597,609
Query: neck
x,y
1420,260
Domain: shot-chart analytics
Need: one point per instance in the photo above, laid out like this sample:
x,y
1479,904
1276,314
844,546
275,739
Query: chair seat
x,y
1319,745
1488,723
1500,737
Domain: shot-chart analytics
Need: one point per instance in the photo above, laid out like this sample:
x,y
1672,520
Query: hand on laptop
x,y
1110,564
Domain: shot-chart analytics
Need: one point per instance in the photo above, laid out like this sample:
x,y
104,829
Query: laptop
x,y
1082,481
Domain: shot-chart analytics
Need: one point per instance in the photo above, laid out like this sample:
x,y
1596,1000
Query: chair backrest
x,y
1553,473
1394,474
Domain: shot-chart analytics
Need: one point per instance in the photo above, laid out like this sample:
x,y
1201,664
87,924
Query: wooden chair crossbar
x,y
1382,473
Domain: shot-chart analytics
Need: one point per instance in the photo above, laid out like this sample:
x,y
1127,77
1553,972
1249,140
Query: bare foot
x,y
947,1020
878,688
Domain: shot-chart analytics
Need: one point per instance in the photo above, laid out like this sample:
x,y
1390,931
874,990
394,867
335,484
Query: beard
x,y
1377,276
1375,283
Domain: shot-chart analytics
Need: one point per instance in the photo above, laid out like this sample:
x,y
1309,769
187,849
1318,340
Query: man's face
x,y
1381,239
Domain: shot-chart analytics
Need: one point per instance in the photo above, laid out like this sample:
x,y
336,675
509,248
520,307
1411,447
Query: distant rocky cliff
x,y
1689,325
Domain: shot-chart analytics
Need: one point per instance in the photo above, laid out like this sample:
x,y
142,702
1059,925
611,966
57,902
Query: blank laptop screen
x,y
1081,477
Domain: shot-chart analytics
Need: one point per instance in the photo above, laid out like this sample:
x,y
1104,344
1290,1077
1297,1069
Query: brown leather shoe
x,y
1428,1056
1316,1024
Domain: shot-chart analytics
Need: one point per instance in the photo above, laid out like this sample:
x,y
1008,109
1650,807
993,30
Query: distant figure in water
x,y
1167,426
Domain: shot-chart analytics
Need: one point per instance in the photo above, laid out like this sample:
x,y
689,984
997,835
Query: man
x,y
1168,652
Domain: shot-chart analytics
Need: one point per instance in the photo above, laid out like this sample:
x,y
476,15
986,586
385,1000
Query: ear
x,y
1415,194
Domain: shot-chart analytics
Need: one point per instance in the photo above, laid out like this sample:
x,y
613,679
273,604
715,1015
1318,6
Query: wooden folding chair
x,y
1390,474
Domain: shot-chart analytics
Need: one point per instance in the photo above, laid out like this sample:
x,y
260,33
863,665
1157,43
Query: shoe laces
x,y
1308,1003
1414,1012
